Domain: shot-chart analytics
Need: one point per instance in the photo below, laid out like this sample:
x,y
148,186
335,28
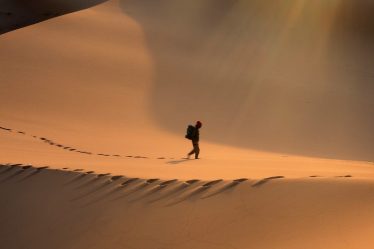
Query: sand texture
x,y
67,209
96,97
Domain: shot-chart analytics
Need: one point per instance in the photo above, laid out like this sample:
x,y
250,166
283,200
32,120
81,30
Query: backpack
x,y
190,132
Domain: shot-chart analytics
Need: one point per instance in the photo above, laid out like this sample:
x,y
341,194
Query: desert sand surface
x,y
96,97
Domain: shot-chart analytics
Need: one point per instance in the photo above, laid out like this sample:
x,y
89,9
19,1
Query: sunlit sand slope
x,y
289,77
43,208
217,162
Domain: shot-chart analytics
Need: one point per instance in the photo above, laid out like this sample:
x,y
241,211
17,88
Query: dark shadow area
x,y
126,186
33,173
15,14
137,189
76,179
106,195
260,81
10,168
194,195
101,187
157,189
15,174
88,182
116,178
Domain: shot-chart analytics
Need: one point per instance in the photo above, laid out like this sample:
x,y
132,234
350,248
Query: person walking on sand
x,y
194,135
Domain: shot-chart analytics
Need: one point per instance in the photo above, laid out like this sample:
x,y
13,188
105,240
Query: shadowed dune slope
x,y
15,14
285,76
64,209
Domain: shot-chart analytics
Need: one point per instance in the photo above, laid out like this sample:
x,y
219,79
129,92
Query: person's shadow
x,y
183,160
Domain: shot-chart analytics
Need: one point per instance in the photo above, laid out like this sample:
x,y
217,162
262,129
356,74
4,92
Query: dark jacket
x,y
196,135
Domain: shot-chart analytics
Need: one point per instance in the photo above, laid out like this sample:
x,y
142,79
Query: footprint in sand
x,y
211,183
37,171
129,181
101,175
166,183
141,157
43,167
344,176
192,181
16,164
149,181
115,178
6,129
265,180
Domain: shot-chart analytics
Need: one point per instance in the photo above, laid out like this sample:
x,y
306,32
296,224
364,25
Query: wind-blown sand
x,y
65,209
95,104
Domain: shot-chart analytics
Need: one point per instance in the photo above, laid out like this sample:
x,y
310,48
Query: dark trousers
x,y
195,150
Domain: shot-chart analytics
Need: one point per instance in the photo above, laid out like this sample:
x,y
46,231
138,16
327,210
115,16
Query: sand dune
x,y
96,96
291,77
66,209
271,77
220,162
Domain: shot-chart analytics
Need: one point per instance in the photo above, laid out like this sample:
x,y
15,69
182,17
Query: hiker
x,y
193,135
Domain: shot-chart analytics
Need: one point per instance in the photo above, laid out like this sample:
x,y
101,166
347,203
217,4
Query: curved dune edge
x,y
24,172
247,165
74,208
